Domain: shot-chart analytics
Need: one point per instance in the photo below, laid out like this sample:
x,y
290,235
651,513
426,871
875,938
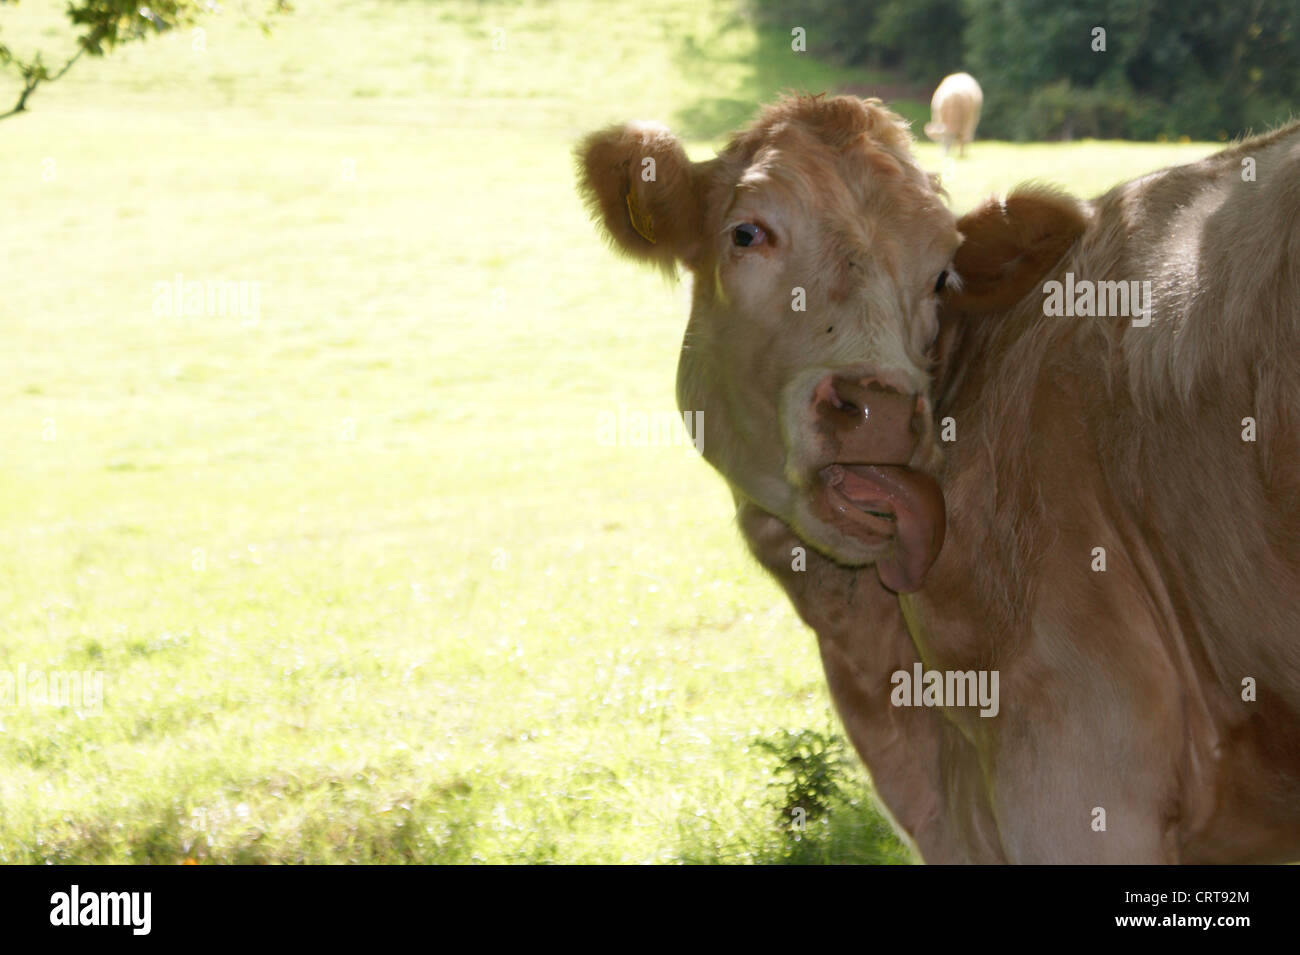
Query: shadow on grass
x,y
709,119
745,63
851,833
339,820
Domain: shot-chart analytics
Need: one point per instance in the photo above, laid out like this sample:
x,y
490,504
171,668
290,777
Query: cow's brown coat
x,y
1120,690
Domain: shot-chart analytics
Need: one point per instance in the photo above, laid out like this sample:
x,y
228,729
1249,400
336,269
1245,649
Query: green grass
x,y
361,582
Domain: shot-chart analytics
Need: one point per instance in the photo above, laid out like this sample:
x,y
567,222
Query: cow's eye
x,y
747,234
942,281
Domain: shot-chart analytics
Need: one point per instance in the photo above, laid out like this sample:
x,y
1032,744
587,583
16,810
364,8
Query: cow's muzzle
x,y
870,428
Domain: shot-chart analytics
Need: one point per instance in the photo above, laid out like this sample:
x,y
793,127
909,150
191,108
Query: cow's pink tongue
x,y
920,521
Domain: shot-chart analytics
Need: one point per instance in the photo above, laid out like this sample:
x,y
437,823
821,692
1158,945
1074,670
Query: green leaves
x,y
1208,70
102,25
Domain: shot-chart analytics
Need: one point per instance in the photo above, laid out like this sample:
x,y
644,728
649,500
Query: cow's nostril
x,y
847,401
829,393
863,420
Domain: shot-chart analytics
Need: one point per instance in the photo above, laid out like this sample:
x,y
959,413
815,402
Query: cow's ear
x,y
1009,244
639,184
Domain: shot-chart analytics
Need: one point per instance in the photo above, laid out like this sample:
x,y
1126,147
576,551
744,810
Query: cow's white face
x,y
817,248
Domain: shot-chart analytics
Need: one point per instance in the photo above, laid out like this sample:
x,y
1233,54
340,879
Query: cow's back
x,y
1125,499
1216,377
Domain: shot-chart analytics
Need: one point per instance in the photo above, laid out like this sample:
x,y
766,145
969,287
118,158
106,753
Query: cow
x,y
955,112
964,482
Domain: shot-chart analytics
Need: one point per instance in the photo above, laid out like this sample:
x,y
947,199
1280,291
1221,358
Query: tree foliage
x,y
101,26
1201,68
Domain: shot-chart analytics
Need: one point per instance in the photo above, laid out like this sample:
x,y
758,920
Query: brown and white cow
x,y
1103,511
955,112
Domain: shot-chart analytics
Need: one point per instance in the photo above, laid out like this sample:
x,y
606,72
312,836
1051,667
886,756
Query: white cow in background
x,y
955,112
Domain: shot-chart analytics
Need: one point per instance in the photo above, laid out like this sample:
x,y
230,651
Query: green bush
x,y
1208,69
824,809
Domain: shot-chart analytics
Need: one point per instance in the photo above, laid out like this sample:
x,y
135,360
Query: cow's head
x,y
818,249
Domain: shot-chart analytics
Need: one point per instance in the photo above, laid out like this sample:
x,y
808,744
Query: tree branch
x,y
34,74
111,23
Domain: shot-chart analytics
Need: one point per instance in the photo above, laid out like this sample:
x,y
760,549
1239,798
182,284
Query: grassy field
x,y
359,580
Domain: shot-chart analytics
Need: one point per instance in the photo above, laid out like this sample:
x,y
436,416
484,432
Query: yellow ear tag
x,y
640,220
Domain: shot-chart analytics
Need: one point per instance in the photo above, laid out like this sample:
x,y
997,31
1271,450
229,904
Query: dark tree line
x,y
1208,69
